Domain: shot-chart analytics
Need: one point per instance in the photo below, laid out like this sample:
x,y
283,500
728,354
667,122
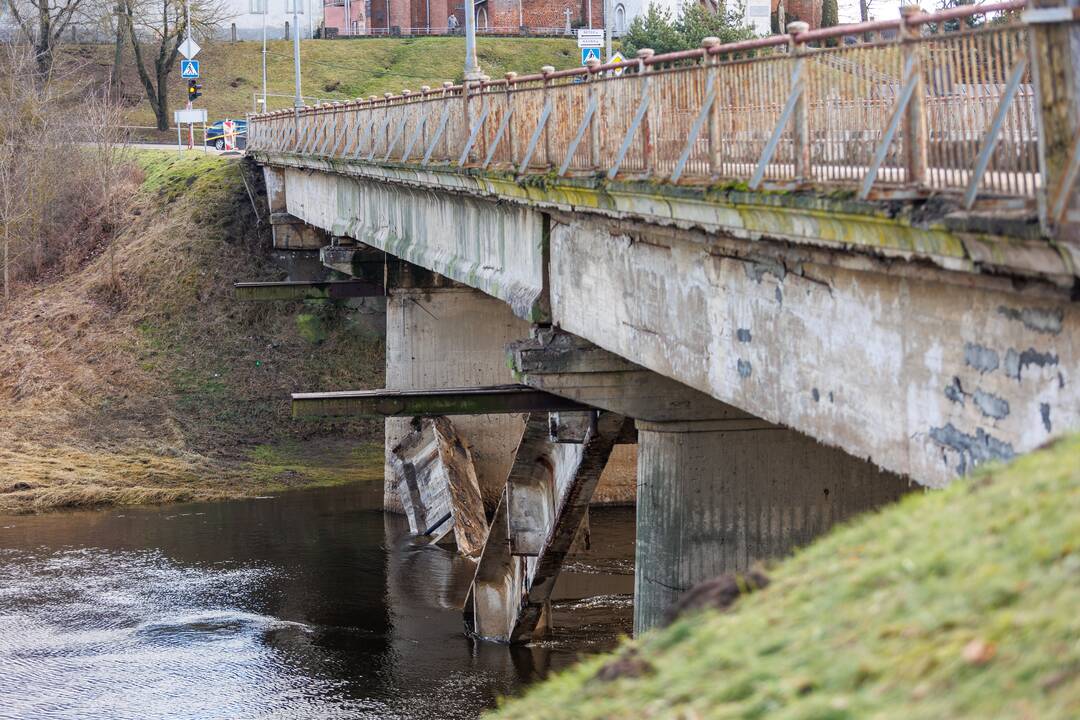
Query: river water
x,y
311,604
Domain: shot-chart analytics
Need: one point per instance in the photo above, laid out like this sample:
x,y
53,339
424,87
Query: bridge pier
x,y
453,338
717,496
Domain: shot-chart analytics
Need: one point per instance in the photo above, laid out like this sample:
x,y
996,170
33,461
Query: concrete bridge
x,y
814,269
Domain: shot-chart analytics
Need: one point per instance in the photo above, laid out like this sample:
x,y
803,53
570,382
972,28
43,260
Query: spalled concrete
x,y
923,372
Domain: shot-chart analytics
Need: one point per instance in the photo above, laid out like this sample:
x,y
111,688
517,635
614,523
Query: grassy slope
x,y
332,70
962,603
137,378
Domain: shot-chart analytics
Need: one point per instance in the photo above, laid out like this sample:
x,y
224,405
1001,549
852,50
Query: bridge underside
x,y
788,361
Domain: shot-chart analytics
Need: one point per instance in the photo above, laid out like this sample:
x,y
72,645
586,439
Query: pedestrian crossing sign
x,y
589,53
189,69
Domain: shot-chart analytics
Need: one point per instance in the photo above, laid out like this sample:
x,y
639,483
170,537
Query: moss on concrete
x,y
953,604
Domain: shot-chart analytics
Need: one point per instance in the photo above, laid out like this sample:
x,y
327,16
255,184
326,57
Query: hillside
x,y
135,377
332,69
954,604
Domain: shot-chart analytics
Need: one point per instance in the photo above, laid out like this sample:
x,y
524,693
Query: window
x,y
258,7
620,18
481,19
289,6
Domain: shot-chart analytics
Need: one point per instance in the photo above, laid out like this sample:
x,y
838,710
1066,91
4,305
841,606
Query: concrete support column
x,y
444,338
289,231
717,496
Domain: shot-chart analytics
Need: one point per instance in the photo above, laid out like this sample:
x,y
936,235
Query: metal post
x,y
472,67
298,102
547,70
710,61
643,56
594,123
801,121
607,29
915,153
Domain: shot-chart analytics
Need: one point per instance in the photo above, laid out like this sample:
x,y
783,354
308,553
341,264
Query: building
x,y
247,16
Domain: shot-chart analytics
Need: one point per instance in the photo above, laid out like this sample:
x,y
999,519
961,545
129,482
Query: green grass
x,y
963,603
332,70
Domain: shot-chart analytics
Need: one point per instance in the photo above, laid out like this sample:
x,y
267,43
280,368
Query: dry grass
x,y
136,377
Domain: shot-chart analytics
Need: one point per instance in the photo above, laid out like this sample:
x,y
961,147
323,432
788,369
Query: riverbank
x,y
132,376
953,604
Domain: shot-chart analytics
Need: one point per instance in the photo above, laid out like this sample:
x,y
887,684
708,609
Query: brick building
x,y
415,17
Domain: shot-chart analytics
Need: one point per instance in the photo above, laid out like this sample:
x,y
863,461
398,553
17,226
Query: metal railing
x,y
927,102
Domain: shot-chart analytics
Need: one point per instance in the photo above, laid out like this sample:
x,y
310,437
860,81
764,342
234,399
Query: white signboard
x,y
758,16
189,117
591,38
189,48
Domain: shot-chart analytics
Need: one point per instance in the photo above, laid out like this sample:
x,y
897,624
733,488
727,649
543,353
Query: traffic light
x,y
193,90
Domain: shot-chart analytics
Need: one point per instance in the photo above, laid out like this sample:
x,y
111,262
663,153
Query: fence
x,y
938,101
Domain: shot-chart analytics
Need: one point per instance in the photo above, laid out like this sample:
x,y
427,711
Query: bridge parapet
x,y
943,103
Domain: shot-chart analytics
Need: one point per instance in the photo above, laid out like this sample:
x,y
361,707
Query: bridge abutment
x,y
718,496
289,231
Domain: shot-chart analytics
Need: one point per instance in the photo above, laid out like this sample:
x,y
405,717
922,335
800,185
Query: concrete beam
x,y
502,399
567,365
299,290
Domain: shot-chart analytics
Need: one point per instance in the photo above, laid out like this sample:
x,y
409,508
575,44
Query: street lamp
x,y
472,67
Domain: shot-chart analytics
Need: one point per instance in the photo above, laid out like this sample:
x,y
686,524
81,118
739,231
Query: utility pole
x,y
472,67
187,30
607,29
265,12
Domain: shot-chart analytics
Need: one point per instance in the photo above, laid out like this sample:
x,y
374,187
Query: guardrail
x,y
940,102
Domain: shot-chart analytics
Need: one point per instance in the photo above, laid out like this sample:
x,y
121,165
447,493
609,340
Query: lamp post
x,y
472,67
298,102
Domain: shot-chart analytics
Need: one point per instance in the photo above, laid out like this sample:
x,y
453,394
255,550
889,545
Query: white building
x,y
246,18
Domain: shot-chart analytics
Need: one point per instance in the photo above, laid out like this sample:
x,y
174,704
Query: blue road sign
x,y
189,69
588,54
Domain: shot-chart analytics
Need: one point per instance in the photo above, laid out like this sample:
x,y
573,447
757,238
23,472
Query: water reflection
x,y
312,604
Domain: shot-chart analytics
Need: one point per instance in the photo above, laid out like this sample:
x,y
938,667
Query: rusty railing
x,y
931,102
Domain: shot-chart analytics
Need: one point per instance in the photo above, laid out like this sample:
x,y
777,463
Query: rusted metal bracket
x,y
438,134
498,137
545,113
1068,182
362,140
910,81
769,150
415,136
991,139
695,129
382,129
586,119
330,290
475,131
429,403
639,115
397,135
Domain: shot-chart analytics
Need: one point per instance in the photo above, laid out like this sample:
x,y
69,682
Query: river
x,y
309,604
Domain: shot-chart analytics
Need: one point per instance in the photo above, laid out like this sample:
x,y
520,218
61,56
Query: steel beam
x,y
330,290
494,399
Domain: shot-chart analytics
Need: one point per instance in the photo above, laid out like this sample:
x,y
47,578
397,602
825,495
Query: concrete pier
x,y
447,338
718,496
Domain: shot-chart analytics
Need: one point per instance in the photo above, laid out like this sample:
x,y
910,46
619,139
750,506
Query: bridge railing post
x,y
547,70
914,128
711,63
801,122
643,56
1056,78
594,122
511,143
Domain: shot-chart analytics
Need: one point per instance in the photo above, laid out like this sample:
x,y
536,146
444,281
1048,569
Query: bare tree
x,y
42,24
164,22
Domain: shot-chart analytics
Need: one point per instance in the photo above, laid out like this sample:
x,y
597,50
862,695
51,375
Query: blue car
x,y
215,134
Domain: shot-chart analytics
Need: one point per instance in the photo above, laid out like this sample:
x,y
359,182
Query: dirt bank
x,y
136,377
